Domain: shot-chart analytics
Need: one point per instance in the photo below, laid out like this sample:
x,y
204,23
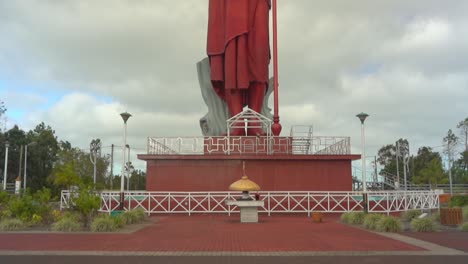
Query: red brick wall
x,y
271,174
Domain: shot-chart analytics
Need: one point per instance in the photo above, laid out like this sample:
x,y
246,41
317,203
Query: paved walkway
x,y
203,235
451,239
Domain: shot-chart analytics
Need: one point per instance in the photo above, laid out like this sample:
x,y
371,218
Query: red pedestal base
x,y
191,173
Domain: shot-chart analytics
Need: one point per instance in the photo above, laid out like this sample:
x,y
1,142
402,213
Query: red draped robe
x,y
238,43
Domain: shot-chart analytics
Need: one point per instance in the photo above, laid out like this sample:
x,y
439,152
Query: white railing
x,y
275,202
247,145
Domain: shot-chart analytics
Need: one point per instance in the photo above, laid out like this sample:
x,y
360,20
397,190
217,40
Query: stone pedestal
x,y
248,210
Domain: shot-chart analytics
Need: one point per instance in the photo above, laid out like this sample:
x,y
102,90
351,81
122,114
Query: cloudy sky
x,y
77,64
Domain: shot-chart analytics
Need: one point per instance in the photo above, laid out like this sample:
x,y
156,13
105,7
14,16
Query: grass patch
x,y
357,218
12,225
423,225
371,221
67,224
345,218
464,227
104,223
389,224
133,216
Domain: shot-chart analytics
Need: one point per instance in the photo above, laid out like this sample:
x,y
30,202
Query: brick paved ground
x,y
451,239
216,233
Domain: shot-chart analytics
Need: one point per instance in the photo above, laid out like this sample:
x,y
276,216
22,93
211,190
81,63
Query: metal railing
x,y
274,202
316,145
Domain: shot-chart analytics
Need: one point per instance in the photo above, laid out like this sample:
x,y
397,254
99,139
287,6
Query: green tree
x,y
432,174
16,138
138,180
423,158
73,166
42,156
463,126
387,158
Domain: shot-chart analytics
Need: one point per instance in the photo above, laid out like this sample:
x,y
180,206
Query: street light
x,y
362,117
26,160
6,165
125,116
128,163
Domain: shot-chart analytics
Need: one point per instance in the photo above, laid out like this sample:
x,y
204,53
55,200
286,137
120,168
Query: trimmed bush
x,y
357,218
11,225
345,217
389,224
410,215
67,224
371,221
464,227
104,223
423,225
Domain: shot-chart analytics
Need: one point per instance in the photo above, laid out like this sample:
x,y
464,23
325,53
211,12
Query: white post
x,y
6,167
397,186
362,117
25,164
122,178
128,169
125,116
450,166
363,158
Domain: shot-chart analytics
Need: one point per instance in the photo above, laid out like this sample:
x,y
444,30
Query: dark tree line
x,y
427,166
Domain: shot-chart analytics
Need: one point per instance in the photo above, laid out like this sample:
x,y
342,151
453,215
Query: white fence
x,y
317,145
275,202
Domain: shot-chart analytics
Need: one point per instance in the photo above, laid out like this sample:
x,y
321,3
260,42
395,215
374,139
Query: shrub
x,y
464,227
345,217
458,201
410,215
67,224
389,224
436,216
119,221
104,224
140,214
4,197
11,225
21,207
465,213
371,220
86,203
423,225
357,218
129,217
28,205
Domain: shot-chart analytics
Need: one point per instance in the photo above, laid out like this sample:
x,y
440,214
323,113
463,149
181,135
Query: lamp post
x,y
125,116
26,162
6,165
128,163
362,117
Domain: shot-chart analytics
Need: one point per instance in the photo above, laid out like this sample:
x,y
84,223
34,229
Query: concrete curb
x,y
233,253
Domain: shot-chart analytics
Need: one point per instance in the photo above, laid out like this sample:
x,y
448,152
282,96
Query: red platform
x,y
272,172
